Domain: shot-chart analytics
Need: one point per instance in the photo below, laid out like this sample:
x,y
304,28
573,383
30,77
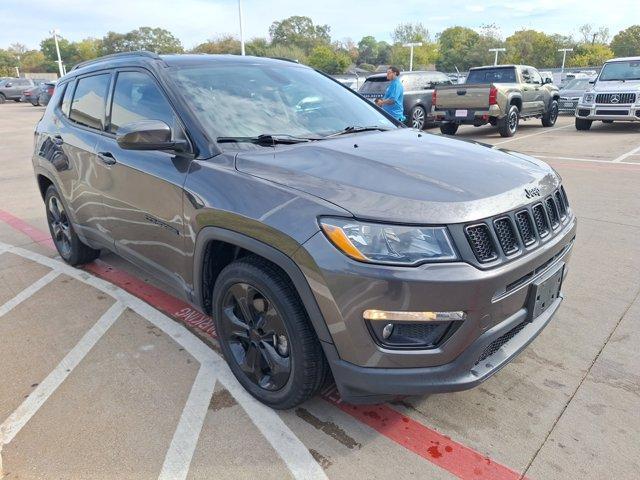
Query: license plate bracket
x,y
544,292
461,113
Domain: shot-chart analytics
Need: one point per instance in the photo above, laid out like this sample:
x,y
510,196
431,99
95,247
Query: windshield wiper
x,y
356,129
266,139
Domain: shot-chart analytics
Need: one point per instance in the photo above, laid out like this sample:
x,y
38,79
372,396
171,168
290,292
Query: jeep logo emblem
x,y
615,98
532,192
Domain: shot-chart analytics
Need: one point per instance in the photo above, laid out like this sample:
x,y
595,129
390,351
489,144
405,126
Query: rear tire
x,y
449,128
418,117
508,125
551,115
2,98
265,334
69,246
582,124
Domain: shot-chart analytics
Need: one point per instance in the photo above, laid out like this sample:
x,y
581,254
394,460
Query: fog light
x,y
387,330
414,316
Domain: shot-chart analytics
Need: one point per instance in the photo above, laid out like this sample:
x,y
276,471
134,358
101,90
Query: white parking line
x,y
291,450
572,159
624,156
522,137
27,292
18,419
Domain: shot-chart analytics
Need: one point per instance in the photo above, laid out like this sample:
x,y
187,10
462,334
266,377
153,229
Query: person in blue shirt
x,y
392,101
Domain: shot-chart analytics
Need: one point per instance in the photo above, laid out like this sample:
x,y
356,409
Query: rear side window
x,y
136,98
66,99
87,107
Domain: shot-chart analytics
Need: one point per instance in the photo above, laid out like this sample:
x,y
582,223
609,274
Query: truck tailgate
x,y
465,96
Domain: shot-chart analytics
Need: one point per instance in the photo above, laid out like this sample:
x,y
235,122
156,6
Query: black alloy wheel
x,y
257,336
59,226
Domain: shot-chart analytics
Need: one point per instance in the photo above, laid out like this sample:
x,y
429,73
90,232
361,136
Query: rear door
x,y
79,123
143,194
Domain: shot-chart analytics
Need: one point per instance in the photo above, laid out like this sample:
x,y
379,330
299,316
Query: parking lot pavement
x,y
97,384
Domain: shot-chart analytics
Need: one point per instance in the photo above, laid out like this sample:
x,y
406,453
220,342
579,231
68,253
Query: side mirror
x,y
148,135
547,80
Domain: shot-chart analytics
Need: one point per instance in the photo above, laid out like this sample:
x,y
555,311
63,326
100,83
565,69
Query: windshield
x,y
492,75
250,100
577,84
621,71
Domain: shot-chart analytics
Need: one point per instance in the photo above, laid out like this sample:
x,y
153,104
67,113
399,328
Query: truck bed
x,y
473,96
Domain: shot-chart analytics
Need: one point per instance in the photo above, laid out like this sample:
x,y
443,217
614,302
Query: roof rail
x,y
138,53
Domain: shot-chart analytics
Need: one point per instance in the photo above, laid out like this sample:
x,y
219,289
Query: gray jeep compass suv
x,y
321,235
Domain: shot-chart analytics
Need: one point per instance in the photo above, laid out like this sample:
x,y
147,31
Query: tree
x,y
88,49
423,57
410,32
299,31
456,46
8,63
589,55
224,44
367,50
533,48
35,61
156,40
329,60
384,53
290,52
17,48
68,53
257,47
589,34
626,43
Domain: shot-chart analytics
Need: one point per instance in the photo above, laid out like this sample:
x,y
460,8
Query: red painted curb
x,y
461,461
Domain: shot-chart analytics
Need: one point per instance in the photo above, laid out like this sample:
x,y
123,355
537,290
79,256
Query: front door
x,y
143,197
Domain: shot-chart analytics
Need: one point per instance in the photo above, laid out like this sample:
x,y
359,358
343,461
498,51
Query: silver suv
x,y
615,95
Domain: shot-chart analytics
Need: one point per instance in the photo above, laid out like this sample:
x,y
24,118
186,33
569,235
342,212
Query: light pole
x,y
241,34
495,62
564,57
411,45
55,33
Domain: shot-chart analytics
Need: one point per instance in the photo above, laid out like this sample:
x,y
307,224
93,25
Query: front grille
x,y
481,243
541,220
497,344
616,98
506,235
525,227
513,233
612,112
552,211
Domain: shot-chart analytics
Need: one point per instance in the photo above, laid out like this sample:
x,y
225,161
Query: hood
x,y
571,93
404,176
616,86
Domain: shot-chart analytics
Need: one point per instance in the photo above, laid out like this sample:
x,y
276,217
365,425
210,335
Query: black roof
x,y
144,57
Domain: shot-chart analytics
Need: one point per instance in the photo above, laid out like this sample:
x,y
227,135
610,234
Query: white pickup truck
x,y
615,95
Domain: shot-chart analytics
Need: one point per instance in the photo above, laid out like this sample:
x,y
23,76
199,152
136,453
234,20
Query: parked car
x,y
571,92
499,95
320,233
32,94
418,87
12,88
615,95
46,93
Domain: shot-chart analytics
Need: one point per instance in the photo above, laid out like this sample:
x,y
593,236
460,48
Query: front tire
x,y
418,117
583,124
69,246
2,98
265,334
551,115
508,126
449,128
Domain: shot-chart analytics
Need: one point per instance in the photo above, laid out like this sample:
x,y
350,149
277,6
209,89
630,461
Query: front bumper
x,y
624,113
344,288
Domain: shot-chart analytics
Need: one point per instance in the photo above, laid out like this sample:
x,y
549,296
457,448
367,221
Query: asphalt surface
x,y
96,383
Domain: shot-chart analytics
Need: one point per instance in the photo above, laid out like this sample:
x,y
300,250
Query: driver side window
x,y
137,97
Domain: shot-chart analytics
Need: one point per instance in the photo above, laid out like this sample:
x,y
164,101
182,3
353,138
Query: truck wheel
x,y
551,115
69,246
449,128
582,124
508,126
418,117
265,334
2,98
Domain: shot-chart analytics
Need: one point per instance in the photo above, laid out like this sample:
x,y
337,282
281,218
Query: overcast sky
x,y
194,21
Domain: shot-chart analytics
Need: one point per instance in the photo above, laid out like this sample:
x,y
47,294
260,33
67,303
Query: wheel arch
x,y
515,100
217,247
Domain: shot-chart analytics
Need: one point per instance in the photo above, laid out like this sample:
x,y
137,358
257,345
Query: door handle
x,y
107,158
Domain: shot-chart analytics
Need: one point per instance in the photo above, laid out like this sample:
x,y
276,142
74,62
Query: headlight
x,y
389,244
588,97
